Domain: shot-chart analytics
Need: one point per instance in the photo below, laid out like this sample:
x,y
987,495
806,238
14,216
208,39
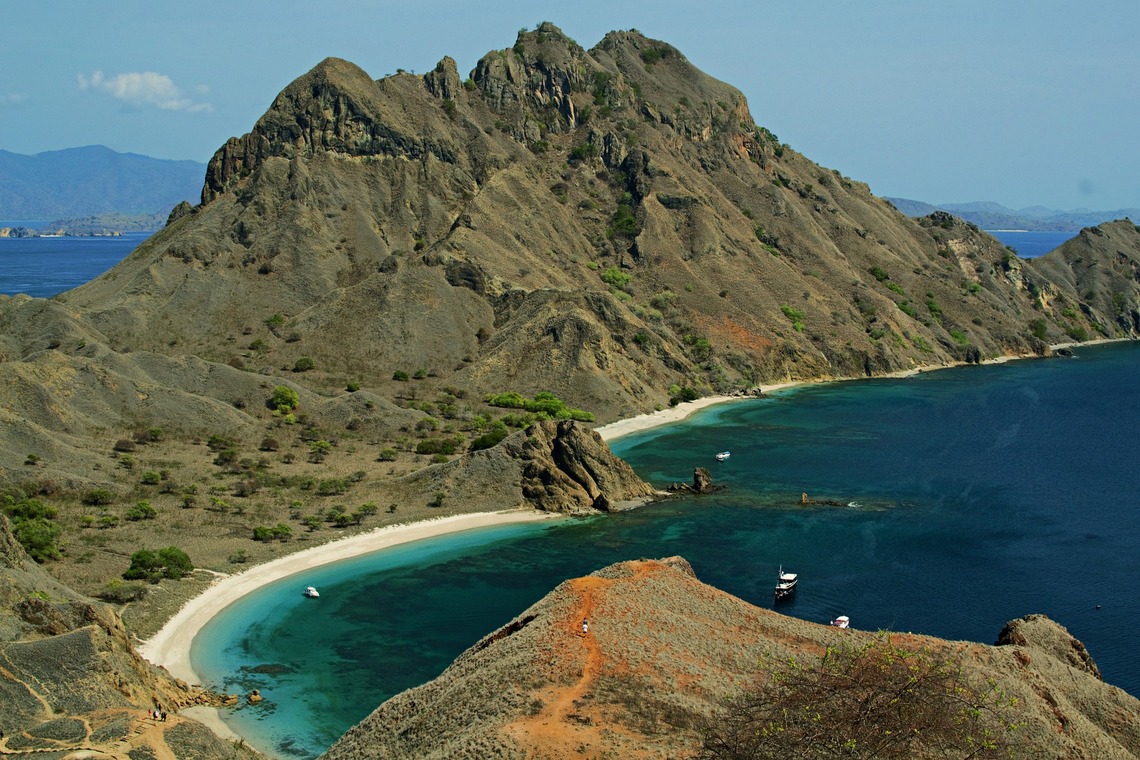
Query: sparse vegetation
x,y
876,700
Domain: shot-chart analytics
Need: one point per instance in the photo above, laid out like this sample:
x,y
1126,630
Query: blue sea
x,y
1029,245
46,266
967,497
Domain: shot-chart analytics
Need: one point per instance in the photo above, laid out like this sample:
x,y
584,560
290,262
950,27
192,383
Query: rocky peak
x,y
337,108
443,80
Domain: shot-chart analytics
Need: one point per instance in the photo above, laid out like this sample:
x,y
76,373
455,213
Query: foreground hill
x,y
71,681
92,180
664,653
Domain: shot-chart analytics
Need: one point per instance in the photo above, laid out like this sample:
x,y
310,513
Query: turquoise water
x,y
969,497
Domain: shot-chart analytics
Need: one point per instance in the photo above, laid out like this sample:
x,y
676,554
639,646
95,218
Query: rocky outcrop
x,y
557,466
664,652
1039,632
567,467
702,483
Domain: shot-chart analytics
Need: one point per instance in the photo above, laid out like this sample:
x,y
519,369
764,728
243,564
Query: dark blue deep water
x,y
968,497
1030,245
46,266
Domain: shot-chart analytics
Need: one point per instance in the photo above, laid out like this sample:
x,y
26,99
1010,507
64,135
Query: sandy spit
x,y
170,647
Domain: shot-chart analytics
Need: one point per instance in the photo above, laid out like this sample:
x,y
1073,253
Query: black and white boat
x,y
723,456
311,592
786,584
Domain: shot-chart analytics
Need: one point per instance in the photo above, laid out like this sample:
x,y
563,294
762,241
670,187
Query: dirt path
x,y
561,728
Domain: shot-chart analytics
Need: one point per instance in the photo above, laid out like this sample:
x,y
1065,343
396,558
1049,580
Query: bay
x,y
46,266
969,497
1031,244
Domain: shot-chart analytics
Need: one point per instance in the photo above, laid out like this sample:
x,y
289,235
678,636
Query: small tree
x,y
170,562
284,399
304,364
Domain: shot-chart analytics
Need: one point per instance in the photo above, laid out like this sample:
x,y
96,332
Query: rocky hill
x,y
606,225
664,654
71,680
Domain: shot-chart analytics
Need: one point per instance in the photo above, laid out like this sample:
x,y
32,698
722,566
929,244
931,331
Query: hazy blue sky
x,y
1024,102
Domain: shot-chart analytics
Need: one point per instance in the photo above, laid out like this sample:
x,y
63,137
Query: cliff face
x,y
663,653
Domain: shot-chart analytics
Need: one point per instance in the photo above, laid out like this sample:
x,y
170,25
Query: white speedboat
x,y
311,592
785,584
723,456
841,622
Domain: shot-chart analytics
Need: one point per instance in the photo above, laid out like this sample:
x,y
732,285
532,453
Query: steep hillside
x,y
610,225
663,653
71,681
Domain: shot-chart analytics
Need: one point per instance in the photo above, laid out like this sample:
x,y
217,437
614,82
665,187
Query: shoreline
x,y
650,420
170,647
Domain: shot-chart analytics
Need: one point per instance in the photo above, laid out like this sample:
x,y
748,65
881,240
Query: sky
x,y
1021,102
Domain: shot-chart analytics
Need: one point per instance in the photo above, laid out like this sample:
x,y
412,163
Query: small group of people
x,y
158,713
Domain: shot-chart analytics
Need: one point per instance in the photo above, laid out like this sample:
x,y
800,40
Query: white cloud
x,y
142,88
12,99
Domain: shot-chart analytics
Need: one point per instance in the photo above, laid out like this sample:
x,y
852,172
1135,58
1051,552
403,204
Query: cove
x,y
970,496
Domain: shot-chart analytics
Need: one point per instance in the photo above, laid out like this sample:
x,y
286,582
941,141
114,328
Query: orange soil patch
x,y
567,726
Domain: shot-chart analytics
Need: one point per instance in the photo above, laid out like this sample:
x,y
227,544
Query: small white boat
x,y
785,584
841,622
311,592
723,456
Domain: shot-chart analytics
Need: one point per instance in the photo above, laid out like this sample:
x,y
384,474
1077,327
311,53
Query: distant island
x,y
994,216
92,181
98,225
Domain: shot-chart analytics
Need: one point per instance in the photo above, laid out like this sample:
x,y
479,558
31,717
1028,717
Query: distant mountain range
x,y
994,216
94,180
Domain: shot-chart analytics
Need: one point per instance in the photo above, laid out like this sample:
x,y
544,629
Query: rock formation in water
x,y
664,652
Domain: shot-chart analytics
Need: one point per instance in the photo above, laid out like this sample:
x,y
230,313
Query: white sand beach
x,y
170,647
677,413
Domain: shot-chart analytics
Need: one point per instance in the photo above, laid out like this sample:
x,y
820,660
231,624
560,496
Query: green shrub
x,y
545,405
98,497
896,288
400,376
170,562
141,511
795,315
387,455
878,273
278,532
284,399
304,364
150,478
616,277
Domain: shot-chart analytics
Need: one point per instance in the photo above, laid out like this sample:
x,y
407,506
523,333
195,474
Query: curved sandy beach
x,y
170,647
677,413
